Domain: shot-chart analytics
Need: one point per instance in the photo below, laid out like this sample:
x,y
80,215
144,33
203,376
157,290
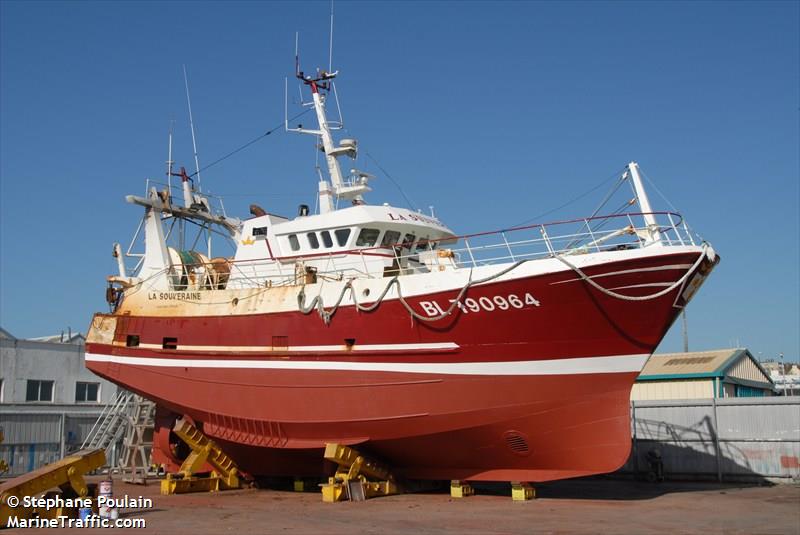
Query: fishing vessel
x,y
506,355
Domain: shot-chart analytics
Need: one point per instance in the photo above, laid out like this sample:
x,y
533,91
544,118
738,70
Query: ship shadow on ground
x,y
686,468
689,460
606,488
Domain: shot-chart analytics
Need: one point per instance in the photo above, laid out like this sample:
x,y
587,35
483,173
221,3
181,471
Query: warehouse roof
x,y
698,364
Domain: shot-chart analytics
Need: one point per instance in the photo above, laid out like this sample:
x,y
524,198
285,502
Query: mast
x,y
355,185
654,236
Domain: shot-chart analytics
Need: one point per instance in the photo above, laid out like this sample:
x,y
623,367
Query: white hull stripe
x,y
442,346
571,366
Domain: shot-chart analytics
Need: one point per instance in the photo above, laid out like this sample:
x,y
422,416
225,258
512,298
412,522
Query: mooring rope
x,y
326,315
616,295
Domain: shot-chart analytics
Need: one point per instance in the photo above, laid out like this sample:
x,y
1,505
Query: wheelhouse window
x,y
313,241
327,241
39,390
87,392
408,241
294,243
368,237
425,245
390,238
342,235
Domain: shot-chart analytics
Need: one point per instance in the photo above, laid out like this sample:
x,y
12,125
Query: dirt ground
x,y
578,506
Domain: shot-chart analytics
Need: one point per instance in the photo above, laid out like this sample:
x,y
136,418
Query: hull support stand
x,y
224,474
521,492
67,474
460,489
358,477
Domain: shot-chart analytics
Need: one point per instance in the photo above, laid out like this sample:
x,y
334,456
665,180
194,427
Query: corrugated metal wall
x,y
34,439
751,438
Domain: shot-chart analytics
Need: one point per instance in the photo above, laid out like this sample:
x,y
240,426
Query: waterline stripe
x,y
566,366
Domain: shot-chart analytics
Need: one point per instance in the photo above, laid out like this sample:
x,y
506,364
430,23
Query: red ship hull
x,y
529,393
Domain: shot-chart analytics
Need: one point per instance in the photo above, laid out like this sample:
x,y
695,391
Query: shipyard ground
x,y
578,506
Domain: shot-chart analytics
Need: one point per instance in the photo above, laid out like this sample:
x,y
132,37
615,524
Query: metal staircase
x,y
134,463
125,430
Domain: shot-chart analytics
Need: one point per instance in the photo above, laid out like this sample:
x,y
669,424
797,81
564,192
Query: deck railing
x,y
563,238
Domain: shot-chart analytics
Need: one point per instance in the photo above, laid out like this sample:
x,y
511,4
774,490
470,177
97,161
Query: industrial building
x,y
785,375
721,373
48,399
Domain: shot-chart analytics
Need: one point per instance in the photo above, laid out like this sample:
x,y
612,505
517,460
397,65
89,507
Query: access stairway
x,y
125,425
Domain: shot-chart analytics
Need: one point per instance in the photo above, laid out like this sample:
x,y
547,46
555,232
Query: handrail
x,y
455,239
513,244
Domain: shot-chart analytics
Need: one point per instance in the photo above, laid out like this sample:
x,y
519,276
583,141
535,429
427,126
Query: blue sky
x,y
493,112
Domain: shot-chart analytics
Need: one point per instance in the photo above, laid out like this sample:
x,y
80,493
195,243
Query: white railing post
x,y
547,240
510,253
469,250
591,234
688,232
675,229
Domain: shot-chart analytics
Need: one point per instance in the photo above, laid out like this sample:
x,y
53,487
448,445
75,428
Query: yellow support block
x,y
182,485
332,491
355,478
66,474
521,492
459,489
225,473
3,465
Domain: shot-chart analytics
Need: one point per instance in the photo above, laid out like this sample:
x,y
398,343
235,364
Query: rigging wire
x,y
392,180
262,136
672,206
575,199
600,207
664,197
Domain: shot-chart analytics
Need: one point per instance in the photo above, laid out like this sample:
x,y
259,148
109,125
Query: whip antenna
x,y
330,43
191,125
169,158
297,54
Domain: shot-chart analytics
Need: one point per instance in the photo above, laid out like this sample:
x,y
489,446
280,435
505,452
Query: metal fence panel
x,y
765,422
740,437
